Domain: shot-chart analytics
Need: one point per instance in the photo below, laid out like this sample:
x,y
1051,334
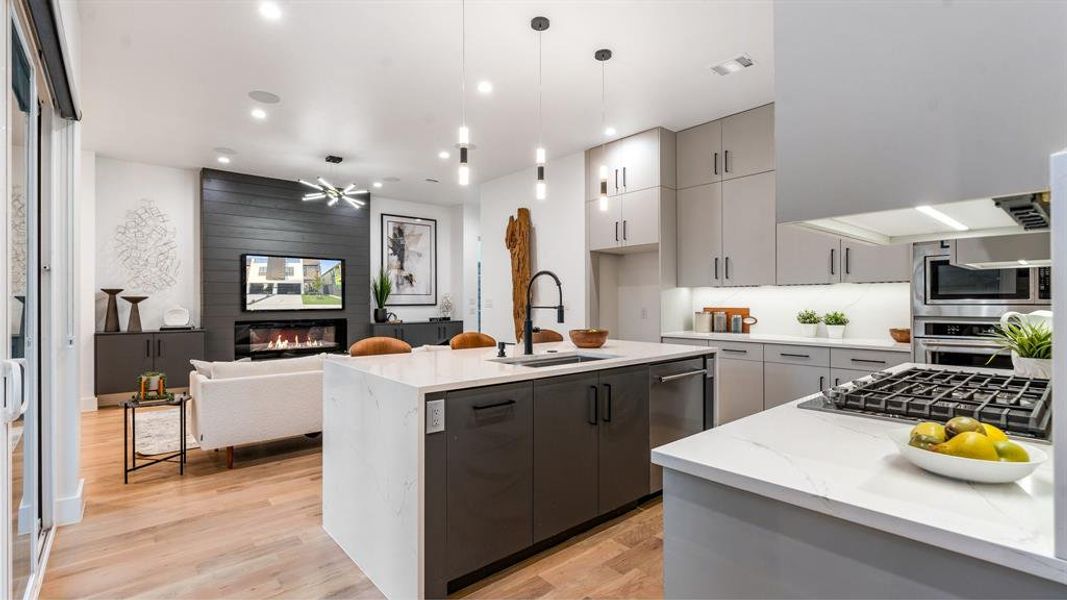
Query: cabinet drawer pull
x,y
669,378
735,350
148,348
594,400
616,231
716,163
159,348
726,160
833,252
727,267
848,261
794,355
868,360
716,267
493,405
822,379
607,403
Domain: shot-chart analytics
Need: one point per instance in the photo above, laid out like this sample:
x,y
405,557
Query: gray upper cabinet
x,y
489,489
748,142
748,230
865,263
602,224
594,158
630,219
807,257
700,236
699,155
637,162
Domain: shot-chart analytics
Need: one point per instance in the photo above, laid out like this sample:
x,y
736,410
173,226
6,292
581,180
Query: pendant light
x,y
324,190
603,55
540,24
464,132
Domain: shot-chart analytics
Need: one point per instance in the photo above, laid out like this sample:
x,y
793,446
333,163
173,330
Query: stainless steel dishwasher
x,y
679,405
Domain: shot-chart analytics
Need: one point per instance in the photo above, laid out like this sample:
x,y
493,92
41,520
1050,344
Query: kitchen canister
x,y
702,322
737,323
719,322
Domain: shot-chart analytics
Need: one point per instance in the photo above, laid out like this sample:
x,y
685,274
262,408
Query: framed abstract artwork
x,y
409,257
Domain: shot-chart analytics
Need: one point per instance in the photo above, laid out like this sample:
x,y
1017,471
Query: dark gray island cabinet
x,y
528,463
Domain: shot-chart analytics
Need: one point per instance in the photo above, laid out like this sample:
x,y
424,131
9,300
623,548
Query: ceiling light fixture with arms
x,y
324,190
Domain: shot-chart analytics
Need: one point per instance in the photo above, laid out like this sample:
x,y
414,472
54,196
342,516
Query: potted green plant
x,y
809,322
835,324
381,286
1030,344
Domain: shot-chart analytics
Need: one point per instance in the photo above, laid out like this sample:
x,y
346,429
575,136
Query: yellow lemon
x,y
993,433
1009,451
958,425
929,429
969,444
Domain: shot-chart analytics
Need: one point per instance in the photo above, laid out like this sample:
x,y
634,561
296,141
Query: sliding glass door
x,y
22,406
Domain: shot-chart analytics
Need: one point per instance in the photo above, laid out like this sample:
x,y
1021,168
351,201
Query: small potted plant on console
x,y
809,322
1030,344
381,286
835,324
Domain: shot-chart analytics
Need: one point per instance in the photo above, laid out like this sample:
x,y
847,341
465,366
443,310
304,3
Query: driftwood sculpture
x,y
518,239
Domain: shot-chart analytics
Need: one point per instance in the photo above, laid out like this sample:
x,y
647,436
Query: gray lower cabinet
x,y
566,435
740,389
784,383
121,357
420,333
489,481
623,437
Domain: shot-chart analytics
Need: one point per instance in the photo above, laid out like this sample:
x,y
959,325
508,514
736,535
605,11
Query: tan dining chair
x,y
541,336
472,339
374,346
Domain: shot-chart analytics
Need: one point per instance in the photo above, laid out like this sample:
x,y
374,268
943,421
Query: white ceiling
x,y
165,82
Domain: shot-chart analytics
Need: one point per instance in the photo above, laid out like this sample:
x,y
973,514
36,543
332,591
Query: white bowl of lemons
x,y
969,450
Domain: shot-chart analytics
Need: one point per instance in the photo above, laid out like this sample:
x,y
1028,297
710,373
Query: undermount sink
x,y
551,360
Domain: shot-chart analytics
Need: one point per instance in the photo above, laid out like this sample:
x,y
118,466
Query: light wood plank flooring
x,y
255,532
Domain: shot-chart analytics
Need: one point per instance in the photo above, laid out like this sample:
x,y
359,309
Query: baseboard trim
x,y
69,510
89,404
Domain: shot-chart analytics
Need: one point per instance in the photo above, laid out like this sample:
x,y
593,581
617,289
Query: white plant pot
x,y
1039,368
809,329
835,332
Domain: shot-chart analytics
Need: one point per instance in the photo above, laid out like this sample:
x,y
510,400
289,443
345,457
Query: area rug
x,y
157,432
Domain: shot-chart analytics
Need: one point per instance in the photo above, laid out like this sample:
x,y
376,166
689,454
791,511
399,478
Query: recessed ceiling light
x,y
377,184
485,87
264,97
733,65
224,159
224,150
610,131
443,155
270,10
937,215
259,114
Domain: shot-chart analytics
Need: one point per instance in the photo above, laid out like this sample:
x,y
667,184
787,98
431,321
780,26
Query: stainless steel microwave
x,y
941,288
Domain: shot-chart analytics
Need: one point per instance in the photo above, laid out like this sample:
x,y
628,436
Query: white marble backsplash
x,y
872,308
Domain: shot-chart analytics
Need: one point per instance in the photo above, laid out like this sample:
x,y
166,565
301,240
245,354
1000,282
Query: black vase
x,y
381,315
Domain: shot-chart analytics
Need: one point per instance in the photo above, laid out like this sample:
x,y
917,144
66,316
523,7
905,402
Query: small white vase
x,y
809,329
835,332
1036,368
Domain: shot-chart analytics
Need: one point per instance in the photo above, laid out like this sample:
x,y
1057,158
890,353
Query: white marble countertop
x,y
844,466
444,369
767,338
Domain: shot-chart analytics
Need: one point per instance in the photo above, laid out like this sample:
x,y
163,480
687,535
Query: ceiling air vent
x,y
733,65
1029,210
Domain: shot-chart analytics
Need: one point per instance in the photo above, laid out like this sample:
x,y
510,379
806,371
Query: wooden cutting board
x,y
730,312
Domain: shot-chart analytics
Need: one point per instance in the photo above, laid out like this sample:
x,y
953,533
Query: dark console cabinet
x,y
121,357
426,333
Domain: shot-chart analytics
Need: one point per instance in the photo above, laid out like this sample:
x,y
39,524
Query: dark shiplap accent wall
x,y
245,214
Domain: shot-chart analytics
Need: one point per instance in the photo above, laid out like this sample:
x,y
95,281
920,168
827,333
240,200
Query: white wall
x,y
449,252
472,253
872,308
558,244
86,306
120,187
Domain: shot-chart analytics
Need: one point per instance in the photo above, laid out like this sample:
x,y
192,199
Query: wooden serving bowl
x,y
589,338
901,335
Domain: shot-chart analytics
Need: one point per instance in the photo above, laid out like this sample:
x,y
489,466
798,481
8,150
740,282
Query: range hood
x,y
1005,251
984,217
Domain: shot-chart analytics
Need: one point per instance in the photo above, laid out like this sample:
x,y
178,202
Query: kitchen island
x,y
800,503
440,466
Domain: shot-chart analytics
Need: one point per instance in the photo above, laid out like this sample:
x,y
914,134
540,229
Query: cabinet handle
x,y
607,404
833,253
716,267
726,160
837,381
734,350
794,355
716,163
822,379
624,230
148,348
616,231
159,348
493,405
616,180
670,378
594,400
727,267
624,178
868,360
848,261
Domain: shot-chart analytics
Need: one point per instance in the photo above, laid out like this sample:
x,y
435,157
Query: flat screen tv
x,y
287,283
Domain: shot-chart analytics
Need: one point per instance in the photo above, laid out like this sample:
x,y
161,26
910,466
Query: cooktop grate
x,y
1018,405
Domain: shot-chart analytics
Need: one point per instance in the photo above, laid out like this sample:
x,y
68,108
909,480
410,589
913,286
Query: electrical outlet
x,y
644,313
435,416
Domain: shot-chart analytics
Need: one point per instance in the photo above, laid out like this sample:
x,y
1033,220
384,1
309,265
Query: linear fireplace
x,y
261,340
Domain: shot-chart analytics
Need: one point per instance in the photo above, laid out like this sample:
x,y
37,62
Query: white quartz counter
x,y
765,338
845,466
445,369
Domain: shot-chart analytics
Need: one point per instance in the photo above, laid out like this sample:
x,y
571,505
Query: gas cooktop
x,y
1018,405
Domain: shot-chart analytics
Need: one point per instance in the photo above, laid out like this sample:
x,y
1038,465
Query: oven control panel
x,y
943,329
1044,283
